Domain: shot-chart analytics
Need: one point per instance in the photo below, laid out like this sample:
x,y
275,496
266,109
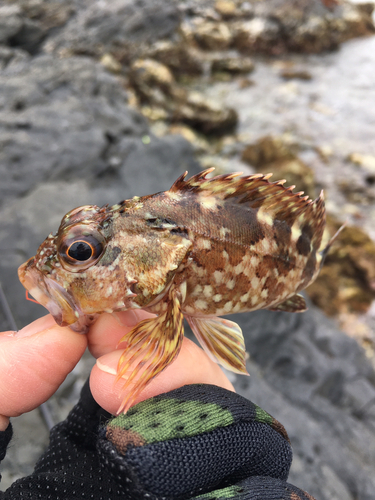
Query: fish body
x,y
205,248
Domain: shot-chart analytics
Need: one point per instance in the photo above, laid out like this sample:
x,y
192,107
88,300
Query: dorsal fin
x,y
257,192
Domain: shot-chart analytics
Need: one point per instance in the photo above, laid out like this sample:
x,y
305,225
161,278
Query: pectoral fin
x,y
154,343
222,340
293,304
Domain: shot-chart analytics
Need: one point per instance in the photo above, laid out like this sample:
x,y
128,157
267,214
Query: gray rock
x,y
319,384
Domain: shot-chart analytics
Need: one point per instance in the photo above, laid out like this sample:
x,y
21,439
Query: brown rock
x,y
346,282
205,115
179,57
273,155
226,8
234,65
211,35
152,80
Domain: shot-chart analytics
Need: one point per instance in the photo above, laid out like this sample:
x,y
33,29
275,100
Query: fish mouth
x,y
53,297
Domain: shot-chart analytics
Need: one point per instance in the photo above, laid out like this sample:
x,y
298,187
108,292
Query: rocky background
x,y
102,100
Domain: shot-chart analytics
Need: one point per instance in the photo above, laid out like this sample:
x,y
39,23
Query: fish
x,y
208,247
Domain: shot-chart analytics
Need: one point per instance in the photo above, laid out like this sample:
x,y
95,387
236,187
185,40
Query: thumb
x,y
192,366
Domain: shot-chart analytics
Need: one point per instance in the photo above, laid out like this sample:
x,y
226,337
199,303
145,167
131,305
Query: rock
x,y
234,65
273,155
346,282
366,161
205,115
258,35
164,99
64,119
110,63
318,382
303,26
212,35
152,80
178,56
10,22
299,74
226,8
98,27
17,30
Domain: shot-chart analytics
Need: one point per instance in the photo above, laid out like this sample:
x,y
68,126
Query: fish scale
x,y
207,247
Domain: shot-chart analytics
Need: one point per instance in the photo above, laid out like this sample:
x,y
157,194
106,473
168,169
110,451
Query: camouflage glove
x,y
199,441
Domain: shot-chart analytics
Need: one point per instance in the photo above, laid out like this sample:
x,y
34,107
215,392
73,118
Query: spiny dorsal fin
x,y
257,192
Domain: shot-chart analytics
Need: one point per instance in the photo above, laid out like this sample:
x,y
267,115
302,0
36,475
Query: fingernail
x,y
132,317
108,363
37,326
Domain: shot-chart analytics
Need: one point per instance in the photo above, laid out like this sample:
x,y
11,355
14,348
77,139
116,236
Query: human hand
x,y
35,361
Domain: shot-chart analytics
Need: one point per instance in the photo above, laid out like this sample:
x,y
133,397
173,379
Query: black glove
x,y
199,439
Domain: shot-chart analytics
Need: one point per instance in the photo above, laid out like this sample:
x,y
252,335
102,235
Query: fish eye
x,y
80,250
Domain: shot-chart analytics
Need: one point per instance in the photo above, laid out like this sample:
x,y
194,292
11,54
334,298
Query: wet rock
x,y
273,155
226,8
307,373
164,99
234,65
258,35
48,14
206,116
110,63
65,119
97,27
295,73
17,30
212,35
179,57
303,26
152,80
346,282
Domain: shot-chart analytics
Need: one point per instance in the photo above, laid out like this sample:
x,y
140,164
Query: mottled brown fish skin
x,y
243,255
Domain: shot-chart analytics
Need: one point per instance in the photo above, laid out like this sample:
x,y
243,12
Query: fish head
x,y
76,272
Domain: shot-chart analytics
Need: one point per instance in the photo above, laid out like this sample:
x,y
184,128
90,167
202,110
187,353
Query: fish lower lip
x,y
49,294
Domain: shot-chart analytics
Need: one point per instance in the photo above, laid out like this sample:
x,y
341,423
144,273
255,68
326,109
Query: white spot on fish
x,y
225,255
264,293
237,307
217,297
197,290
238,269
204,244
172,195
219,277
265,245
231,284
207,291
228,306
200,304
255,282
208,202
245,297
264,217
296,232
223,231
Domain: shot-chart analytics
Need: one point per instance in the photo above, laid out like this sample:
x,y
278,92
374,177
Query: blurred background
x,y
103,100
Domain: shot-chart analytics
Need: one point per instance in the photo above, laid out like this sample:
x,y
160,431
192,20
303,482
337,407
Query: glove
x,y
198,442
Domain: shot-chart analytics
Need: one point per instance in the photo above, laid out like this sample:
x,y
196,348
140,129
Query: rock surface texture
x,y
70,72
